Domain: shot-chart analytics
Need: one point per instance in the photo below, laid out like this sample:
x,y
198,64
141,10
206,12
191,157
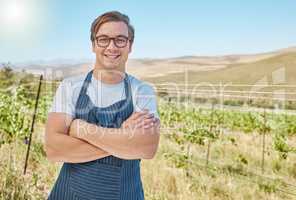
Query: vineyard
x,y
205,152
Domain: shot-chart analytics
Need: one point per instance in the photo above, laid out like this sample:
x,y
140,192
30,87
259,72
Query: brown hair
x,y
113,16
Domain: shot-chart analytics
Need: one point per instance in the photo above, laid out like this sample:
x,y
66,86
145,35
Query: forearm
x,y
120,142
64,148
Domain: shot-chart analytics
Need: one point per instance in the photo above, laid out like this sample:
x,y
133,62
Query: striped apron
x,y
108,178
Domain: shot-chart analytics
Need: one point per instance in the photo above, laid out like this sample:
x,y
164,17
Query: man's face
x,y
112,57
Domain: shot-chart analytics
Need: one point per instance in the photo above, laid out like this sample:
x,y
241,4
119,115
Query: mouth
x,y
112,56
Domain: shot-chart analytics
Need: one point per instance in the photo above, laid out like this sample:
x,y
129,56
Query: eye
x,y
103,40
120,40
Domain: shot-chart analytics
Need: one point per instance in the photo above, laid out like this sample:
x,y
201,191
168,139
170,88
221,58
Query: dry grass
x,y
241,73
222,180
161,178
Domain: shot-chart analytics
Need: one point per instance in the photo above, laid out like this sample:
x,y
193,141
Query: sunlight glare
x,y
14,13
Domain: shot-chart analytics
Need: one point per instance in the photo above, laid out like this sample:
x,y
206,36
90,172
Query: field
x,y
183,168
205,152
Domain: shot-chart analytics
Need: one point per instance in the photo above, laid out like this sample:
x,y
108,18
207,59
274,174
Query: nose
x,y
111,45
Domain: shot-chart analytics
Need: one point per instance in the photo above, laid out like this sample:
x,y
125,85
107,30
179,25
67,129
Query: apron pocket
x,y
94,180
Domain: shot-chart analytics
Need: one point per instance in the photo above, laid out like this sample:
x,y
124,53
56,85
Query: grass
x,y
225,177
178,171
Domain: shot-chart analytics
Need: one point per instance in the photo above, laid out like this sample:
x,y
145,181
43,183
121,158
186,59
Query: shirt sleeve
x,y
145,98
62,101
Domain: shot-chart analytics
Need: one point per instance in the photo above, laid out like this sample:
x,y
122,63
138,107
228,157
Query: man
x,y
102,123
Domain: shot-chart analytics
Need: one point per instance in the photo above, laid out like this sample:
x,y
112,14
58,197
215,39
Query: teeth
x,y
112,56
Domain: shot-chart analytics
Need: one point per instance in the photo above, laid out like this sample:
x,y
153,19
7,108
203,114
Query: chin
x,y
110,66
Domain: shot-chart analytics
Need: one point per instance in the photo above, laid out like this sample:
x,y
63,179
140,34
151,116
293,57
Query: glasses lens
x,y
120,41
103,41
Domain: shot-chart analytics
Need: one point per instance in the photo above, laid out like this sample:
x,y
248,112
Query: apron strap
x,y
87,80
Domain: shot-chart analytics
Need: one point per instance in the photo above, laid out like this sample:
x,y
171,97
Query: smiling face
x,y
111,57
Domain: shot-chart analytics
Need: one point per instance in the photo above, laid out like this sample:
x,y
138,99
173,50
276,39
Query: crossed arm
x,y
68,140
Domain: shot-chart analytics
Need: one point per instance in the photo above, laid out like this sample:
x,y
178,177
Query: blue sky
x,y
59,29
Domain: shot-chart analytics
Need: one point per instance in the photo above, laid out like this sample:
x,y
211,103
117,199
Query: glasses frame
x,y
112,38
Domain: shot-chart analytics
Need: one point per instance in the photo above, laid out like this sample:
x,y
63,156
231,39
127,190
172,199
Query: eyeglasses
x,y
119,41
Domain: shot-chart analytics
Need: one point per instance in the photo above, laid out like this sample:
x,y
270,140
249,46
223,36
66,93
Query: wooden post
x,y
188,159
209,140
208,152
32,124
263,142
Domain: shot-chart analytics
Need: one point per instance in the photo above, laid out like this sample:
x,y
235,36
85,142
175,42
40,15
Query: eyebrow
x,y
104,35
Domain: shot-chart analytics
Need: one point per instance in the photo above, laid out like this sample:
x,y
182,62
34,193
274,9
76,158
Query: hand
x,y
140,120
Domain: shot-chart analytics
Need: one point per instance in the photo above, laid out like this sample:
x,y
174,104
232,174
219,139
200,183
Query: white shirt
x,y
103,95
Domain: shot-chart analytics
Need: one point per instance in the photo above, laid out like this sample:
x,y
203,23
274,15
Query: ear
x,y
93,47
130,48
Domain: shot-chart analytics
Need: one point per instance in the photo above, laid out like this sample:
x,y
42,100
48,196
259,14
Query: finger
x,y
149,125
147,116
142,116
155,123
156,120
136,115
147,122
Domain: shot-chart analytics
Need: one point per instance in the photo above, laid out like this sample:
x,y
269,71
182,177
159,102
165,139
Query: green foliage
x,y
242,159
14,117
197,125
280,144
180,159
269,187
17,102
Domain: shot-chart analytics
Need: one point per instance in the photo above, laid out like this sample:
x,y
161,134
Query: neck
x,y
108,76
